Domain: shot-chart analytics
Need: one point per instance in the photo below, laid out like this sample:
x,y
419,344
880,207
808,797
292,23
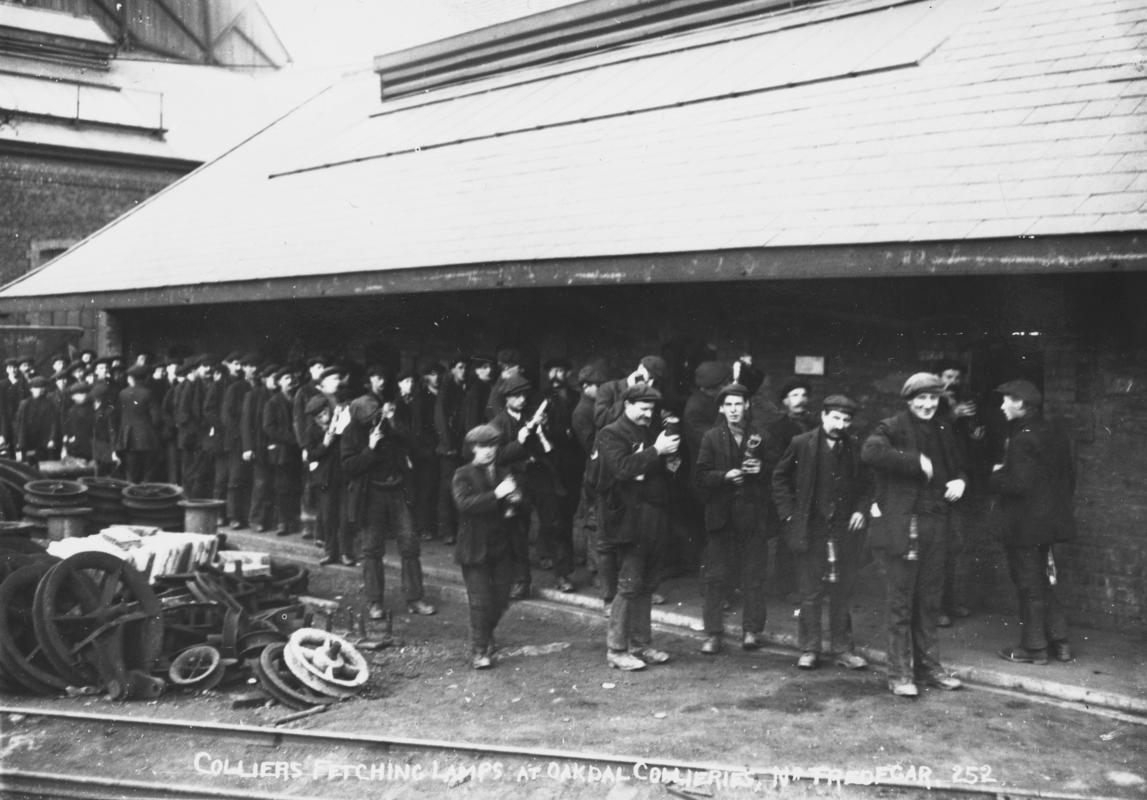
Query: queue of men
x,y
352,457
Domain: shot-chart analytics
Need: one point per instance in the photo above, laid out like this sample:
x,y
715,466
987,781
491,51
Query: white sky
x,y
349,33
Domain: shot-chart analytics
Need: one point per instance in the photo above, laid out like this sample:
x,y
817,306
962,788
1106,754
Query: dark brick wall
x,y
1089,350
50,200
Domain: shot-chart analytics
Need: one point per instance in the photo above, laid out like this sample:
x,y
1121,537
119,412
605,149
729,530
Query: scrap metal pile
x,y
93,624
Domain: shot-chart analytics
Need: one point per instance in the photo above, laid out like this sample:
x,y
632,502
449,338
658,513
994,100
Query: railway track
x,y
211,760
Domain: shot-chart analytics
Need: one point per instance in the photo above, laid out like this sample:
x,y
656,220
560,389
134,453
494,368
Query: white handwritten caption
x,y
205,763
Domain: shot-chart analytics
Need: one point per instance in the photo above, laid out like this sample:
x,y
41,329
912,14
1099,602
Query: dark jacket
x,y
37,425
633,489
794,485
449,417
474,403
482,529
282,446
386,465
79,428
211,416
251,422
232,415
893,453
324,462
137,420
728,505
1035,485
188,414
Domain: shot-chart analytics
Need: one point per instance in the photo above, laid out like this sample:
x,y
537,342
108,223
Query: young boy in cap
x,y
79,423
919,473
733,487
483,493
1035,483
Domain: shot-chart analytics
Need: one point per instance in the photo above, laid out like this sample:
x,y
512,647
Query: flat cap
x,y
559,362
481,358
326,373
79,388
234,355
39,382
641,393
656,367
791,384
510,356
921,382
591,373
839,402
515,385
317,404
483,435
269,370
711,374
139,371
377,370
1024,390
735,389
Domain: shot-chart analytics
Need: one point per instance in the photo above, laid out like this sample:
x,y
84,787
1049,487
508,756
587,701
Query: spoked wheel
x,y
326,662
95,617
280,682
20,654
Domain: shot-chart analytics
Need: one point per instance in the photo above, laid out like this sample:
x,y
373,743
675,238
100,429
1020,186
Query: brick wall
x,y
46,201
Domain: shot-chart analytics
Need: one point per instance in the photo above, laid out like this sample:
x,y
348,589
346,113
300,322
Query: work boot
x,y
807,660
752,641
1061,651
1021,656
850,660
376,611
620,659
903,688
942,680
564,585
520,591
420,607
711,646
481,661
651,655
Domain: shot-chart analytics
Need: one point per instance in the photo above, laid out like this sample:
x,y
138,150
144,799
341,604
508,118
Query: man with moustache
x,y
822,492
919,474
238,470
794,398
564,466
589,378
733,487
610,403
633,504
1035,483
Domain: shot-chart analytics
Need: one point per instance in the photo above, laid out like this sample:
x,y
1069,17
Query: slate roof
x,y
847,122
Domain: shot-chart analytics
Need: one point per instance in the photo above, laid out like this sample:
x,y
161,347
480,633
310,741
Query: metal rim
x,y
277,679
20,652
328,657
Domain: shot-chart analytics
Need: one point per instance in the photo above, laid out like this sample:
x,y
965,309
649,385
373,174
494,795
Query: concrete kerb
x,y
691,624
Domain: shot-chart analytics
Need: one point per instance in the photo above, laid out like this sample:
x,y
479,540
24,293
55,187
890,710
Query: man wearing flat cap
x,y
137,438
450,425
237,470
585,529
1035,483
484,492
919,473
633,500
610,402
730,482
822,493
522,447
323,464
283,452
564,464
793,396
79,423
37,425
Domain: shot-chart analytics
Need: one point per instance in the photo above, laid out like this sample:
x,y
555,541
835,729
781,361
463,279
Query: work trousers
x,y
331,527
262,492
174,464
585,533
288,490
425,496
1042,620
221,477
784,569
555,529
954,591
814,588
734,557
638,570
239,473
196,477
488,593
518,529
139,465
447,511
912,600
386,514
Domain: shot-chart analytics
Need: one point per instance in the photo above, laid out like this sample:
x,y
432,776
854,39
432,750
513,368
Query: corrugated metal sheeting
x,y
930,121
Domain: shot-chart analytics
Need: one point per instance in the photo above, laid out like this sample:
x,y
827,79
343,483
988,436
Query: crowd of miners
x,y
477,453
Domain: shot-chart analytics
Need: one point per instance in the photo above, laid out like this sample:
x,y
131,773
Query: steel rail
x,y
277,736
